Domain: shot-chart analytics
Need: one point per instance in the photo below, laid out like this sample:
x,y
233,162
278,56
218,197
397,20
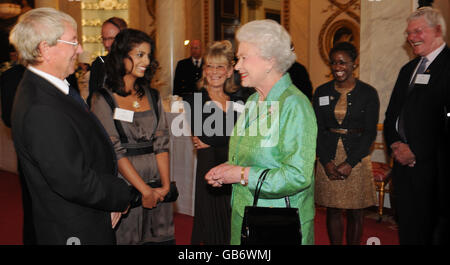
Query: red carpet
x,y
385,231
11,214
11,220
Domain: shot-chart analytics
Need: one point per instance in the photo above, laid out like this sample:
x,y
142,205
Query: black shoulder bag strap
x,y
123,138
155,97
110,101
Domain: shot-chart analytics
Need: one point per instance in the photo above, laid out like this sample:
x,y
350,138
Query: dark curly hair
x,y
124,42
346,47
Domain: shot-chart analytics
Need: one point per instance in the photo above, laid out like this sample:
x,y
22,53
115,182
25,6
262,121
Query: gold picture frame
x,y
341,30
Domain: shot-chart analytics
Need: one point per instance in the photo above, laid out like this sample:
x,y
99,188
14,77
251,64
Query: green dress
x,y
280,135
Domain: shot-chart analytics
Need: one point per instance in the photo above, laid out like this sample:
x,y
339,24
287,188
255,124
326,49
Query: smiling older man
x,y
65,155
415,130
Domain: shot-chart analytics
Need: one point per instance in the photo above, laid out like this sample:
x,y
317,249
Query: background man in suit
x,y
9,81
300,78
414,129
65,155
110,28
188,71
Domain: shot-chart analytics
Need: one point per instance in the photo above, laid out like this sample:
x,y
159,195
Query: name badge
x,y
238,107
323,101
422,79
123,115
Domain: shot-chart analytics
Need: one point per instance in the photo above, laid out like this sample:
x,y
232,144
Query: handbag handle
x,y
261,179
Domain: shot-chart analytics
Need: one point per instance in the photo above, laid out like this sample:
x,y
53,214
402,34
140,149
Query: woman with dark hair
x,y
132,115
347,116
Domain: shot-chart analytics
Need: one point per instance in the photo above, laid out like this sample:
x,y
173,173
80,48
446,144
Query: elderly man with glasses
x,y
416,130
65,155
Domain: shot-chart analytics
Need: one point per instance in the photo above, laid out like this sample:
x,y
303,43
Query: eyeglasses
x,y
417,31
74,44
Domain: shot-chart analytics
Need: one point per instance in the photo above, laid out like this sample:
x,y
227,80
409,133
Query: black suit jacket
x,y
300,78
186,77
427,136
363,108
68,163
97,76
424,120
9,81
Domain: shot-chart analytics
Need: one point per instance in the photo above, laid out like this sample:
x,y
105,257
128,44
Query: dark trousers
x,y
415,200
29,235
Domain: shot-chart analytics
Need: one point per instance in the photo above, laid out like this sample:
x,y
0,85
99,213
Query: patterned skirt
x,y
355,192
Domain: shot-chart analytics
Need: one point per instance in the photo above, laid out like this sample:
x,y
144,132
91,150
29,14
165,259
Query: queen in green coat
x,y
277,130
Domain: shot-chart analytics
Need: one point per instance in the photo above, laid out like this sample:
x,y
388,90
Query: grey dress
x,y
140,225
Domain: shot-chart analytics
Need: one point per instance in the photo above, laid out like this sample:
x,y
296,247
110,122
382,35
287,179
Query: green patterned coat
x,y
280,136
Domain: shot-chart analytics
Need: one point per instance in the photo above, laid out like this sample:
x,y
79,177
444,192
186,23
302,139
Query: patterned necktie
x,y
420,70
401,119
74,94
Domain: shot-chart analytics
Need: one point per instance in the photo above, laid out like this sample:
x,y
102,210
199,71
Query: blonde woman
x,y
217,91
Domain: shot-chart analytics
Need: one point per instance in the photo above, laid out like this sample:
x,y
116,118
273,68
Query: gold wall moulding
x,y
285,14
9,10
104,5
91,22
341,30
91,39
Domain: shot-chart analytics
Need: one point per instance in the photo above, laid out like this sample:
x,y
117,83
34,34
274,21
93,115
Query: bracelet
x,y
243,182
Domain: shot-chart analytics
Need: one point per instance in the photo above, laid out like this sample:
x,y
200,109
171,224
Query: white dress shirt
x,y
62,85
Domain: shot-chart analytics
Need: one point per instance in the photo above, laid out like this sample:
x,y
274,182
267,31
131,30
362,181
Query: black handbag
x,y
270,225
172,196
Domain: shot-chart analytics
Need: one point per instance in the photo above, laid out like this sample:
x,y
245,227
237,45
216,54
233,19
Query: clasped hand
x,y
198,144
340,172
403,154
151,196
223,174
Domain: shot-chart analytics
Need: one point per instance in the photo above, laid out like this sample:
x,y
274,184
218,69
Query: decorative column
x,y
383,51
383,47
170,36
298,26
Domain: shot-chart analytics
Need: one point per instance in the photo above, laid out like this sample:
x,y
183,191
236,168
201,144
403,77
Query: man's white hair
x,y
35,26
432,16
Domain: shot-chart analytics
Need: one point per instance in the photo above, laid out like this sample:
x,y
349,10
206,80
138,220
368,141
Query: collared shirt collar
x,y
431,56
199,61
62,85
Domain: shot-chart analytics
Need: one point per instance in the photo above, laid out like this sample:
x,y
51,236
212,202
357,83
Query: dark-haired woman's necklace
x,y
136,104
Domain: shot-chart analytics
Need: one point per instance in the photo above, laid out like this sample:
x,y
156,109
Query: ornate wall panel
x,y
336,28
